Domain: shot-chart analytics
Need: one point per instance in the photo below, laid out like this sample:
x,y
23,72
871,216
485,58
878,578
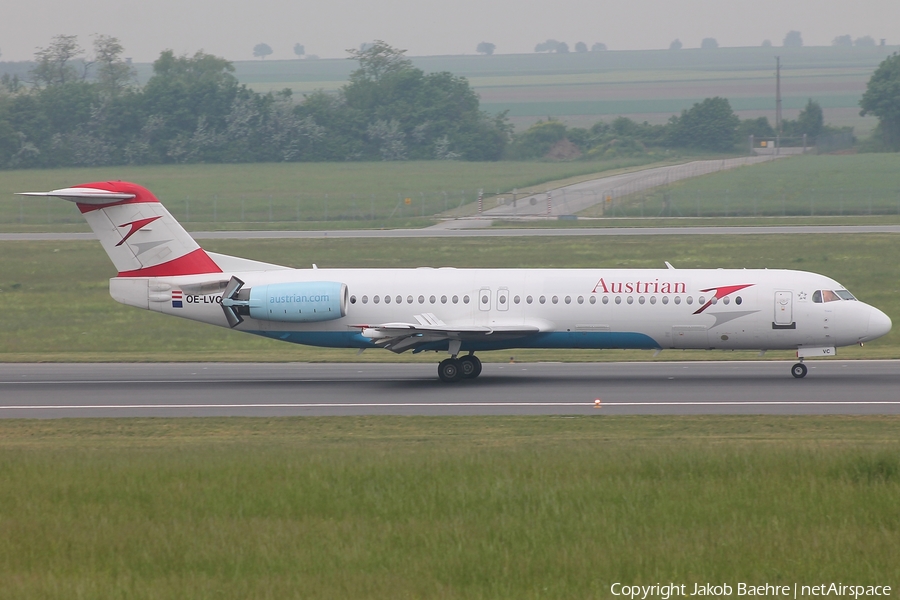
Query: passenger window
x,y
690,300
443,299
387,299
529,299
542,299
517,299
665,300
652,299
352,299
465,299
399,299
726,300
568,299
421,299
580,299
618,299
677,299
738,300
432,299
555,299
605,299
593,299
455,299
375,299
365,299
409,299
630,300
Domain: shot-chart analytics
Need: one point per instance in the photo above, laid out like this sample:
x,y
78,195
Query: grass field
x,y
296,195
57,304
860,184
494,507
582,88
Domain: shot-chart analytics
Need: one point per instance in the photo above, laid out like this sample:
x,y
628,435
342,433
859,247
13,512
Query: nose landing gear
x,y
454,369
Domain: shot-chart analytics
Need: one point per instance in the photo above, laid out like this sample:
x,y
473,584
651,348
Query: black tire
x,y
449,370
470,365
799,370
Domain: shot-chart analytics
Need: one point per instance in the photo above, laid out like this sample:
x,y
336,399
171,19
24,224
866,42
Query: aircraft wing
x,y
400,337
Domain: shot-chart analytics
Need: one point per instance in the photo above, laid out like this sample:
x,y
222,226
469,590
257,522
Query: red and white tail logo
x,y
140,236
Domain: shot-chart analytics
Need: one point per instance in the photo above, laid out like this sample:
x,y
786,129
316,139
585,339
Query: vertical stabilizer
x,y
140,236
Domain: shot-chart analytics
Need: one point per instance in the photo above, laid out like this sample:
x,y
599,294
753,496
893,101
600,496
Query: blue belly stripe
x,y
592,340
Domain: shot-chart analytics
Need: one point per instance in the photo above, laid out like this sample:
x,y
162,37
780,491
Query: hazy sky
x,y
231,28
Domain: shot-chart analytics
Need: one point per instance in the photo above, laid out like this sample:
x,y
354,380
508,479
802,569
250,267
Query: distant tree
x,y
113,73
810,120
867,41
759,128
842,40
54,63
708,125
262,50
792,40
366,46
598,47
767,44
299,50
377,61
485,48
581,47
675,45
552,46
709,44
882,99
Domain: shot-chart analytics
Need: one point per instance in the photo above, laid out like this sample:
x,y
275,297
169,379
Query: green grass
x,y
860,184
296,195
392,507
57,305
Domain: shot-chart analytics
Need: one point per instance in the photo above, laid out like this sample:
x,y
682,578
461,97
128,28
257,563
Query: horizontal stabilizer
x,y
84,195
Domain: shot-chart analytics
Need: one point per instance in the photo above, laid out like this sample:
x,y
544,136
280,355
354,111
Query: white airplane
x,y
161,268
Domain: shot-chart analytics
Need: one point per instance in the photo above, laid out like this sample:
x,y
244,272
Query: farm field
x,y
842,188
57,304
651,85
861,184
293,195
403,507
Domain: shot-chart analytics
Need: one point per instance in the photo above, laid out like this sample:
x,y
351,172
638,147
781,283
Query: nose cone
x,y
879,324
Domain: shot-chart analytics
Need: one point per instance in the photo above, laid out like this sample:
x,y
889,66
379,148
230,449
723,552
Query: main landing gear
x,y
799,370
454,369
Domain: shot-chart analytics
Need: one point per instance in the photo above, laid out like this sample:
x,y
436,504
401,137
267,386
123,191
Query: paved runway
x,y
433,232
256,389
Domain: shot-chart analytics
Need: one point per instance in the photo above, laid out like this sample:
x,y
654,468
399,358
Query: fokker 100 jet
x,y
463,311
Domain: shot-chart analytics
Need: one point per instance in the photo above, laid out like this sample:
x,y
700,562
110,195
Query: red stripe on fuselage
x,y
192,263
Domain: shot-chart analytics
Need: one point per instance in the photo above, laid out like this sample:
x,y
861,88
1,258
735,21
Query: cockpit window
x,y
820,296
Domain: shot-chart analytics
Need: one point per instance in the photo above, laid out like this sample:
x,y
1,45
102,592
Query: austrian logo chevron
x,y
177,298
720,292
135,227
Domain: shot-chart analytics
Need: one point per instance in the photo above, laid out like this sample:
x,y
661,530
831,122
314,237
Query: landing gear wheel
x,y
449,370
799,370
470,365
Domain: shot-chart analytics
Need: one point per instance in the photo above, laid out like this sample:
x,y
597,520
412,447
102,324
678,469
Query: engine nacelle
x,y
304,302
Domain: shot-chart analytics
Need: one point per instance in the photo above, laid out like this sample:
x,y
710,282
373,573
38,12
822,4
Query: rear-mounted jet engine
x,y
295,302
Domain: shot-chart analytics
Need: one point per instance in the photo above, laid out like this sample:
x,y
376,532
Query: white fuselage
x,y
566,308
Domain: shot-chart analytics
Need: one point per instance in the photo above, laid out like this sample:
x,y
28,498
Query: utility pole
x,y
778,94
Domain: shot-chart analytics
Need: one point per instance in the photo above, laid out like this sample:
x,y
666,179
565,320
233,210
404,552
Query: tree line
x,y
193,109
75,112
